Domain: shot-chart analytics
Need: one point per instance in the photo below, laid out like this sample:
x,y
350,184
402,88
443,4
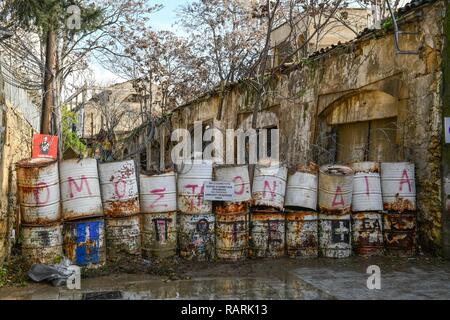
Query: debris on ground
x,y
56,274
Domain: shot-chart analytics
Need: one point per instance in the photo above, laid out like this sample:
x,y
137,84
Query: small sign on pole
x,y
45,146
218,191
447,130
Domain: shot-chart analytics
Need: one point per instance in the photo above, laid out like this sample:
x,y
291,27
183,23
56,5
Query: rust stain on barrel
x,y
302,234
117,209
400,234
400,205
367,234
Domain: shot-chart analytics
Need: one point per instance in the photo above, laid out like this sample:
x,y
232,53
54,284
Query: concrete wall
x,y
362,80
15,144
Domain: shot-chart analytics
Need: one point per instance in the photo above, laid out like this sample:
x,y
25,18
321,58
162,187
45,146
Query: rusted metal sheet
x,y
123,236
190,186
196,236
80,189
119,189
42,244
232,233
38,191
335,235
399,186
269,185
84,242
301,190
159,234
400,234
267,234
366,187
158,193
302,235
367,233
335,189
240,177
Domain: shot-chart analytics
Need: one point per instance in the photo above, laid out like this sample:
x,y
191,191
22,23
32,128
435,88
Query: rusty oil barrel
x,y
400,234
123,237
269,185
367,233
38,191
42,244
267,234
232,218
80,189
399,186
302,234
84,242
158,193
335,189
301,190
119,189
335,235
366,187
159,234
232,231
191,178
196,236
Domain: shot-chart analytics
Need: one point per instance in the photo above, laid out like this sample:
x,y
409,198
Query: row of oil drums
x,y
91,211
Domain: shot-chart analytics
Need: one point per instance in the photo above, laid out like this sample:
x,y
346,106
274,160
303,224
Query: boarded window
x,y
367,141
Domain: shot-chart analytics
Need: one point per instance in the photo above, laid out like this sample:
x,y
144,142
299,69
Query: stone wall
x,y
15,144
362,80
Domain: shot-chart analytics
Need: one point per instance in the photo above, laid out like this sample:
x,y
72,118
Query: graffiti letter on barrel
x,y
161,229
340,231
78,188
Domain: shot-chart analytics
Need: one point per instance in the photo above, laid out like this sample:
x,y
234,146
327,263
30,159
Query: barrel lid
x,y
366,166
150,174
35,162
336,170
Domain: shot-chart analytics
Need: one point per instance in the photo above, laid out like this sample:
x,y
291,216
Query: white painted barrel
x,y
191,178
399,186
269,185
42,244
240,177
119,189
301,190
38,188
80,189
366,187
158,193
335,189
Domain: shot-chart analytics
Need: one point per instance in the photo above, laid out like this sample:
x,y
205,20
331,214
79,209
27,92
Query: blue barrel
x,y
84,242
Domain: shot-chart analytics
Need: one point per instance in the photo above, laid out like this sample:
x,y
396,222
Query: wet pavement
x,y
424,278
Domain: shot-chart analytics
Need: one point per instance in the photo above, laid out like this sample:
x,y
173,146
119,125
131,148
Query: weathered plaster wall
x,y
16,145
361,80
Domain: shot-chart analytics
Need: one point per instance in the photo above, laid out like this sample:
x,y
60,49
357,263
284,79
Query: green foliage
x,y
44,14
70,138
3,277
14,272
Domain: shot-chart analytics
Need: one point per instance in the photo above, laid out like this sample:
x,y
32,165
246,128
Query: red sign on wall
x,y
45,146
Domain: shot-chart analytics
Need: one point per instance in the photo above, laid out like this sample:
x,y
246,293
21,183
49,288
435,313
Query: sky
x,y
161,20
